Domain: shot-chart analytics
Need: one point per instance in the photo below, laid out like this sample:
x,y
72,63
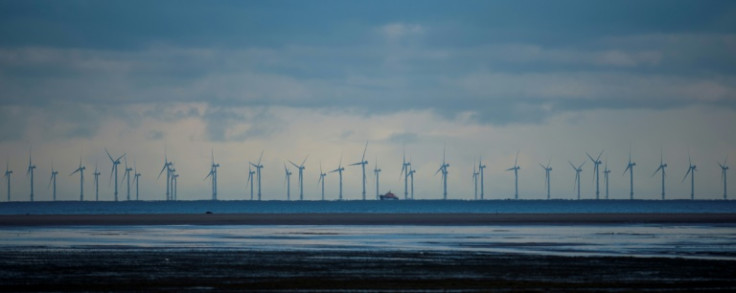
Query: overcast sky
x,y
551,80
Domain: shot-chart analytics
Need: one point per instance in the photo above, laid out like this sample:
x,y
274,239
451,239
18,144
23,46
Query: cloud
x,y
398,31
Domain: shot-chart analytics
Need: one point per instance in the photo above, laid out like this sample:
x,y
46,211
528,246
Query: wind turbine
x,y
250,181
8,172
577,175
322,179
136,179
405,167
596,163
97,184
167,167
362,164
443,169
475,182
301,176
213,176
174,183
691,171
630,169
480,170
515,168
127,175
115,163
724,168
547,169
662,167
80,169
605,175
288,182
258,167
339,170
377,172
411,177
31,167
53,180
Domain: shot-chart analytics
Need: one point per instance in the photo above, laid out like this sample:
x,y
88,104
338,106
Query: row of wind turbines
x,y
407,174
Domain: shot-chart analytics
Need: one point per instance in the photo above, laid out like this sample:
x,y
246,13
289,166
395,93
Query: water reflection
x,y
688,241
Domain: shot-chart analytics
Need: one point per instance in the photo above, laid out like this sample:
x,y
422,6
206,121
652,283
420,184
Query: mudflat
x,y
96,269
365,219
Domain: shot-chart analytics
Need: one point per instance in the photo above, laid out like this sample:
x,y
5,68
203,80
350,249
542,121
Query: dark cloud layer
x,y
502,62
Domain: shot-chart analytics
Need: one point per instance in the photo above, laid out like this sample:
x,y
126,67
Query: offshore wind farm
x,y
476,185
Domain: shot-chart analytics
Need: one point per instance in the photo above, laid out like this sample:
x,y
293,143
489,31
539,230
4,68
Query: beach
x,y
195,270
448,219
466,252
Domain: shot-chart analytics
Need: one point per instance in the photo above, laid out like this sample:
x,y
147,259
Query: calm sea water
x,y
371,206
682,241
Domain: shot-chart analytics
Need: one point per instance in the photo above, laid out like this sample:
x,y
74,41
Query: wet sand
x,y
363,219
290,271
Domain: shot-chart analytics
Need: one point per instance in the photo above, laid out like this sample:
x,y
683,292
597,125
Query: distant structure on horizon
x,y
407,172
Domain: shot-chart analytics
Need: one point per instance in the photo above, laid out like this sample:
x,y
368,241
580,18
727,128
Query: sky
x,y
549,80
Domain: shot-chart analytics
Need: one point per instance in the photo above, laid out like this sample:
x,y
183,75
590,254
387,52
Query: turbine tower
x,y
547,169
405,167
97,183
482,181
339,170
174,183
475,182
258,167
515,168
322,180
288,182
213,176
362,163
443,169
577,175
250,180
136,179
724,168
53,180
605,175
127,175
31,167
114,171
691,171
80,170
630,169
662,167
167,167
301,176
411,178
8,172
596,162
377,172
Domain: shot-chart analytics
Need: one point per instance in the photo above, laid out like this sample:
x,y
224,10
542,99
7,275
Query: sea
x,y
368,206
694,241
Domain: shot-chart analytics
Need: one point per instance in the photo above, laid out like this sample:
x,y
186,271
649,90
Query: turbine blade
x,y
589,156
295,165
364,150
573,166
305,160
108,155
260,158
688,172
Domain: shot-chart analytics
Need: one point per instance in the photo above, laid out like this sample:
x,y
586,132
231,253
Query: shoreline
x,y
428,219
